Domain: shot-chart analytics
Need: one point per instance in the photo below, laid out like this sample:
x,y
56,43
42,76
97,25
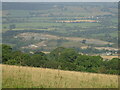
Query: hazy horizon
x,y
60,0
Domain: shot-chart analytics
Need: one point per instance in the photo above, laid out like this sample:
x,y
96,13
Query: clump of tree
x,y
60,58
12,26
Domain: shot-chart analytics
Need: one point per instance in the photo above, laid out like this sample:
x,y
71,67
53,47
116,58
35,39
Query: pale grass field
x,y
29,77
109,57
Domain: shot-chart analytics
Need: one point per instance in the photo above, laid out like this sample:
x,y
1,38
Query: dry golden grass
x,y
30,77
72,21
109,57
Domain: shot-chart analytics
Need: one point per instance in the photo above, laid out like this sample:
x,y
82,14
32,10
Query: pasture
x,y
30,77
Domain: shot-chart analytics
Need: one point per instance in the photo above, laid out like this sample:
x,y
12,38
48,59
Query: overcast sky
x,y
59,0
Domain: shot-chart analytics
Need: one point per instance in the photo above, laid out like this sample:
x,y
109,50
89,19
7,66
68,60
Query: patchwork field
x,y
71,25
54,37
29,77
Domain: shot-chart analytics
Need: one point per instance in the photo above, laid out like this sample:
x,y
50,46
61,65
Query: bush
x,y
61,58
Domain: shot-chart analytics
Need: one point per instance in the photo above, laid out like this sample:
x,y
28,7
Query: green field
x,y
45,17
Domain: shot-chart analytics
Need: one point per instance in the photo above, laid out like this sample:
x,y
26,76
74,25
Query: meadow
x,y
30,77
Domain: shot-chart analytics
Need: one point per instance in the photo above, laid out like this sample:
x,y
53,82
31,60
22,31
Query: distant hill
x,y
48,5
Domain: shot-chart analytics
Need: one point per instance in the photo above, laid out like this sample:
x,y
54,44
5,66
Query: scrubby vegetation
x,y
60,58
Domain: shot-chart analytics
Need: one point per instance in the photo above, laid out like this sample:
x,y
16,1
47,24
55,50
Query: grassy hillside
x,y
29,77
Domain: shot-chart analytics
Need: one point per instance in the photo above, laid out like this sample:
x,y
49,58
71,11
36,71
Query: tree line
x,y
60,58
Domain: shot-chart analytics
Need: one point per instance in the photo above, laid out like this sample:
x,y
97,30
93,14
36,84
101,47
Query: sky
x,y
59,0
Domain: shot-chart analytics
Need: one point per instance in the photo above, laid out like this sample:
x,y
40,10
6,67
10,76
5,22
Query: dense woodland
x,y
60,58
